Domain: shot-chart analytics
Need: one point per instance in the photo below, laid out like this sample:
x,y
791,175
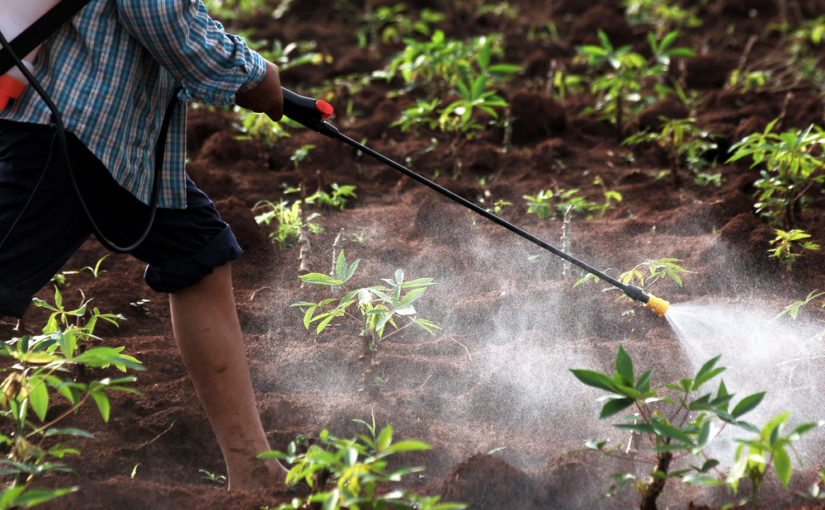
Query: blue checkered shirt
x,y
116,66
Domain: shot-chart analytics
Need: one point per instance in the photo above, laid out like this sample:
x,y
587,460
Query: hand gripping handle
x,y
310,112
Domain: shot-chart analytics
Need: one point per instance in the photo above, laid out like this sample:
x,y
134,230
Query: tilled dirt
x,y
491,391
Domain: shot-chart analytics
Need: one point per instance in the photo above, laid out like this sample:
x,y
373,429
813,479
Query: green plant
x,y
350,473
41,371
540,204
645,273
619,87
213,477
142,306
423,114
438,63
97,270
289,220
473,93
793,309
685,144
300,154
681,419
789,246
792,166
390,24
338,198
661,14
564,201
379,305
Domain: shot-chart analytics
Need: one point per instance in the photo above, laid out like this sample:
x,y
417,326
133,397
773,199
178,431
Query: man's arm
x,y
267,97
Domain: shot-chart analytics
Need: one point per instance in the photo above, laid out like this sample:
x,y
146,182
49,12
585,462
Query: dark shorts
x,y
42,223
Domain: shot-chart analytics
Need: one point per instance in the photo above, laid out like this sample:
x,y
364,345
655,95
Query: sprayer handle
x,y
310,112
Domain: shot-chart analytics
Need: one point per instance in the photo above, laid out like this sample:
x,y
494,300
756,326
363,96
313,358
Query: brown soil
x,y
496,377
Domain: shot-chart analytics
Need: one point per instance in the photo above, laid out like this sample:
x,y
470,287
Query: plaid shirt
x,y
113,70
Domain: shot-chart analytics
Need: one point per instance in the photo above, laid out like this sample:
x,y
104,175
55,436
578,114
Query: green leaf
x,y
102,401
341,267
320,279
782,466
594,379
615,406
747,404
384,439
705,373
624,366
38,396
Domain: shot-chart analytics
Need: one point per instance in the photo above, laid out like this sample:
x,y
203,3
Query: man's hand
x,y
267,97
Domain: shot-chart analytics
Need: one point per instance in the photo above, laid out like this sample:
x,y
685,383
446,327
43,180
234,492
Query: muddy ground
x,y
495,378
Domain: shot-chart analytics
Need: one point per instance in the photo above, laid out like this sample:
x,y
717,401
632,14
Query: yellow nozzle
x,y
658,305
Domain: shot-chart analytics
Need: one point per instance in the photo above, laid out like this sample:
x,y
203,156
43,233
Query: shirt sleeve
x,y
211,64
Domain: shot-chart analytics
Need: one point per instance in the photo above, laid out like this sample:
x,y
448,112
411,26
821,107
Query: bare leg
x,y
210,341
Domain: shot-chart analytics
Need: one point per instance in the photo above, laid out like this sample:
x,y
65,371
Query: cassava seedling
x,y
352,473
40,372
379,305
680,420
788,246
791,168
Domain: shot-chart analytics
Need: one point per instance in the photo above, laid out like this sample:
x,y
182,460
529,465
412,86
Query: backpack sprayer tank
x,y
16,16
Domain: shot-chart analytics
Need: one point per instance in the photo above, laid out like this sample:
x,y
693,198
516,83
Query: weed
x,y
789,246
792,165
680,419
351,473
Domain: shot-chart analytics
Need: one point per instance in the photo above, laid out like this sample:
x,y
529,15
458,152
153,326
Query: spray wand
x,y
313,113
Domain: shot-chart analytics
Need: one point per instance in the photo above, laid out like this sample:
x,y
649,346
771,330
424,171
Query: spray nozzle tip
x,y
658,305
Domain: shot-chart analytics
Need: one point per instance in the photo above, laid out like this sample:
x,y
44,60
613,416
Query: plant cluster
x,y
679,420
790,245
41,372
391,24
350,473
543,203
685,145
441,64
791,167
624,79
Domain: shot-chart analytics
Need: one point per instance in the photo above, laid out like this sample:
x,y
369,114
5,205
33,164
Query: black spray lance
x,y
313,113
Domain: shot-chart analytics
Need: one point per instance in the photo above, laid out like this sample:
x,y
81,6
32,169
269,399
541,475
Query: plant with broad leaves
x,y
41,371
680,420
792,168
351,473
623,76
789,245
379,305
